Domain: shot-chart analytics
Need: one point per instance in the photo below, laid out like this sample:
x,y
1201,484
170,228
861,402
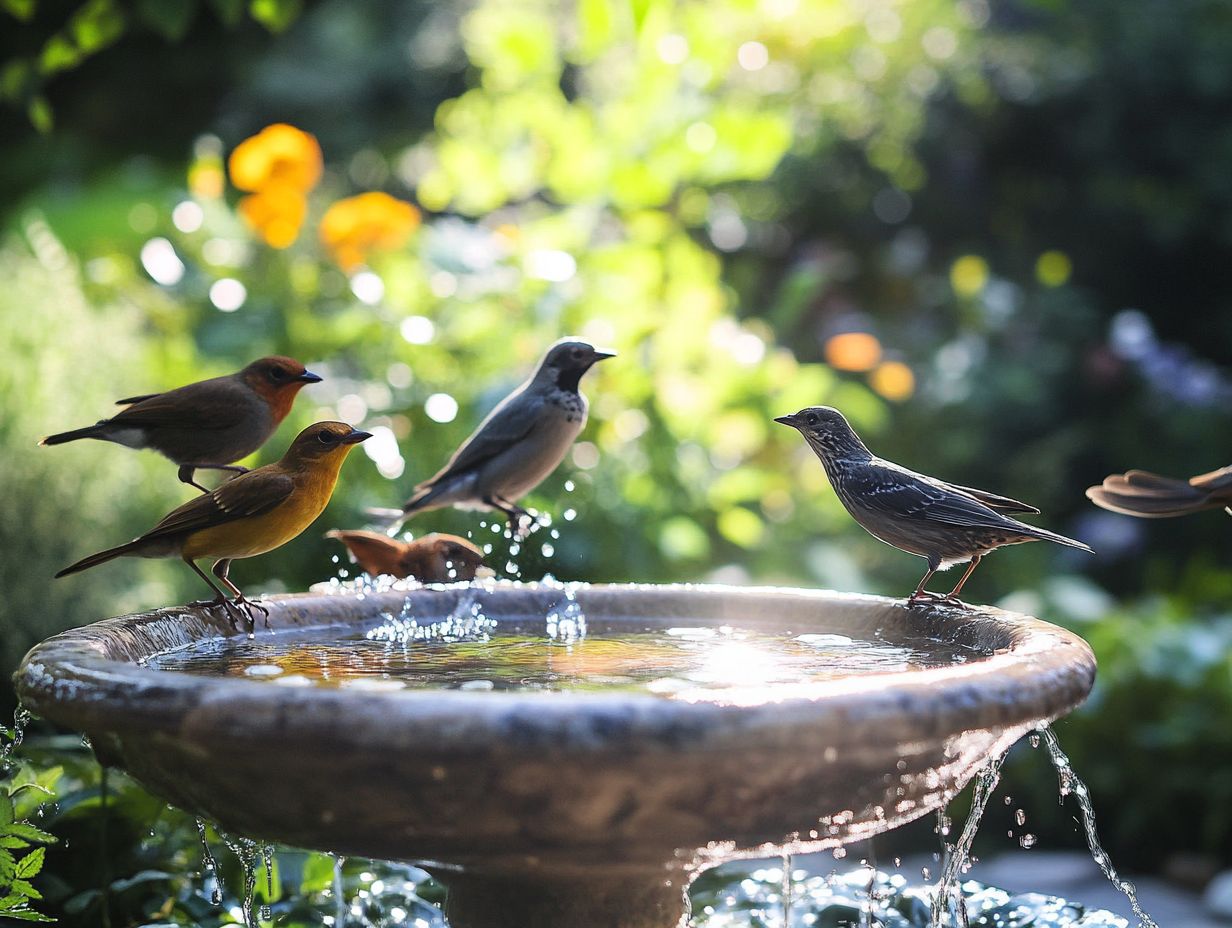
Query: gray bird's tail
x,y
101,558
1044,535
90,431
1150,496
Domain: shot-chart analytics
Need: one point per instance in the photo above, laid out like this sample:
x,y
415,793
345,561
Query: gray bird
x,y
520,442
941,522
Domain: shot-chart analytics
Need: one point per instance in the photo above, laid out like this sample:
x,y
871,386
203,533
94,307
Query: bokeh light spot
x,y
441,407
228,294
893,380
969,275
853,351
1053,268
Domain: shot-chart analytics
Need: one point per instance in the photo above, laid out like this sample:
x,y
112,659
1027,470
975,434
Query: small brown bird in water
x,y
257,511
1150,496
435,558
208,424
944,523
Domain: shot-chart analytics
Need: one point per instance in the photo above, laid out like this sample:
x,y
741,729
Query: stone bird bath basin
x,y
579,809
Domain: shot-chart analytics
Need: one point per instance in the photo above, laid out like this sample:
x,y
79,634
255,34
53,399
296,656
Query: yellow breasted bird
x,y
208,424
435,558
255,512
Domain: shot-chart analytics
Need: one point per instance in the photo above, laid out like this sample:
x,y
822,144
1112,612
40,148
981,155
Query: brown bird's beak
x,y
355,437
787,420
309,377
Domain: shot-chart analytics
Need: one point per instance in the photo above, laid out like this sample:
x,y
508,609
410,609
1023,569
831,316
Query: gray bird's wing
x,y
993,501
905,494
506,425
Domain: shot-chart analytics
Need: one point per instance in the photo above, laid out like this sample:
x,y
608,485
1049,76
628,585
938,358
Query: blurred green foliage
x,y
1026,206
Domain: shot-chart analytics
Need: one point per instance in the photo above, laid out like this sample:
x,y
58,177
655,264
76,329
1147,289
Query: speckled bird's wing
x,y
247,495
993,500
905,494
209,404
507,424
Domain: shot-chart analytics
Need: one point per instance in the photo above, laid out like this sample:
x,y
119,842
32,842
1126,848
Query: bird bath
x,y
582,787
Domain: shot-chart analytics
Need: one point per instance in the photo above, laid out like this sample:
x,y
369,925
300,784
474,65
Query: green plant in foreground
x,y
22,843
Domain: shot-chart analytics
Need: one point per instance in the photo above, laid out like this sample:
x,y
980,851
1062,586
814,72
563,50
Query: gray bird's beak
x,y
787,420
355,437
309,377
600,354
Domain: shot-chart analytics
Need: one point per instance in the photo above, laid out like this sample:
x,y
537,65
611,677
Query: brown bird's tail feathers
x,y
90,431
1150,496
101,558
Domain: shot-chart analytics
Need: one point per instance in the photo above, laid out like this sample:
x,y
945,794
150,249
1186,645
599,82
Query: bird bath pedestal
x,y
562,810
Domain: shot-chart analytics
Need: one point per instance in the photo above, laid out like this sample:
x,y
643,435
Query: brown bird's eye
x,y
277,374
325,438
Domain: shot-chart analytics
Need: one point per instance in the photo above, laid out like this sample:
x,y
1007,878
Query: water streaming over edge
x,y
956,854
1069,782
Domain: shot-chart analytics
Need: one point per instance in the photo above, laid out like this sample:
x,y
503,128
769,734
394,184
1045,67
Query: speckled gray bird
x,y
943,523
519,444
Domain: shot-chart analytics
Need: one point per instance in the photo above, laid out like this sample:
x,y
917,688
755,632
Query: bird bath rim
x,y
517,789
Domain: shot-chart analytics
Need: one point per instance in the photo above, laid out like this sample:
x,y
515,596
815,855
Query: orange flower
x,y
356,226
278,154
276,212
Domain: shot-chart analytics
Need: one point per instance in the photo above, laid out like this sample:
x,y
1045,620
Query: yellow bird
x,y
253,513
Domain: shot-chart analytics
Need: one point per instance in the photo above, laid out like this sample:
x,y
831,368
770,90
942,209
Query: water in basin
x,y
560,653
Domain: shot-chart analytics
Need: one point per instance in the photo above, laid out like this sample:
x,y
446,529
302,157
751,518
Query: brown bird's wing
x,y
1217,481
511,421
209,404
244,496
993,501
136,399
1150,496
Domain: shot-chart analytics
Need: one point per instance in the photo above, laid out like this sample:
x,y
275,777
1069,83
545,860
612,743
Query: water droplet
x,y
1020,817
1027,841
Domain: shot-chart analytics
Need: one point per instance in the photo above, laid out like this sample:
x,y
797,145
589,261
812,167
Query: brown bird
x,y
434,558
208,424
253,513
1150,496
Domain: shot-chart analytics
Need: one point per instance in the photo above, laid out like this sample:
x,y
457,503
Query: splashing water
x,y
785,890
245,851
1069,782
267,860
21,718
947,890
210,867
566,621
466,622
340,903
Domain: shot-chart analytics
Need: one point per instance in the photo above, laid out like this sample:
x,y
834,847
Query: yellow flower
x,y
276,212
356,226
278,154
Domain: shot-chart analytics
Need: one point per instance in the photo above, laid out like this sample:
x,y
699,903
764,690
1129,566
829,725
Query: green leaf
x,y
31,864
27,889
29,915
170,18
30,833
40,114
59,54
13,843
6,810
318,873
275,15
96,25
21,9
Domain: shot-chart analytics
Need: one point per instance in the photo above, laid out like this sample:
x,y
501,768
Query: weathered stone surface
x,y
556,787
